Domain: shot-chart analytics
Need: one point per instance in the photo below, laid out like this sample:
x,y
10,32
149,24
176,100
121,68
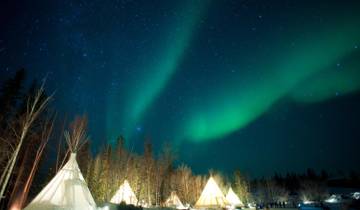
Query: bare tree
x,y
20,199
183,174
34,107
241,186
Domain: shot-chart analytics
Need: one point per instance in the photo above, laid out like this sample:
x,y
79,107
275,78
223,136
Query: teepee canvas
x,y
233,199
124,194
67,190
211,196
174,202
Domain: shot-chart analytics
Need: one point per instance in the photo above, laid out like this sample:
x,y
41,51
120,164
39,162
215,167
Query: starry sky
x,y
260,86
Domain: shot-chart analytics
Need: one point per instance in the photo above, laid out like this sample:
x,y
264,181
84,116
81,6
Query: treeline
x,y
294,188
152,179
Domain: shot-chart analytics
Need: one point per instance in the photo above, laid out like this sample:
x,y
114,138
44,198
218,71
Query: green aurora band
x,y
295,73
159,72
305,74
157,69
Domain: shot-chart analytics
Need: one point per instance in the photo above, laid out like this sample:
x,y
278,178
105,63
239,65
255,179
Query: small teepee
x,y
174,202
233,199
211,196
68,189
124,194
333,199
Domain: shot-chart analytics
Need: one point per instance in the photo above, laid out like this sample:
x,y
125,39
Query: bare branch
x,y
33,109
7,142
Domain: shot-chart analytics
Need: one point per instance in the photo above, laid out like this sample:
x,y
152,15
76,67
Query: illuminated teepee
x,y
233,199
67,190
174,202
124,194
211,196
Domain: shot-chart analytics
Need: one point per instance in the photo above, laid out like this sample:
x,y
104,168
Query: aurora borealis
x,y
222,81
160,69
230,112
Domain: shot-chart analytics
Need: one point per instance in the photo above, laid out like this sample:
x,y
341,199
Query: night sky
x,y
261,86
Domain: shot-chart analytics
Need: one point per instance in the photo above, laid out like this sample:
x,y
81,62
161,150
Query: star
x,y
138,129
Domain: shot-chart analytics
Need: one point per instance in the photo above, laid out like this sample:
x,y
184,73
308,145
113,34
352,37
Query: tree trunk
x,y
19,181
12,163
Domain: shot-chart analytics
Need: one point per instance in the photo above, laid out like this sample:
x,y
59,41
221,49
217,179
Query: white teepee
x,y
67,190
124,193
211,196
174,202
233,199
333,199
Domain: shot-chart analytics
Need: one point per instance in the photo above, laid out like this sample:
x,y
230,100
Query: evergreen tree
x,y
10,93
